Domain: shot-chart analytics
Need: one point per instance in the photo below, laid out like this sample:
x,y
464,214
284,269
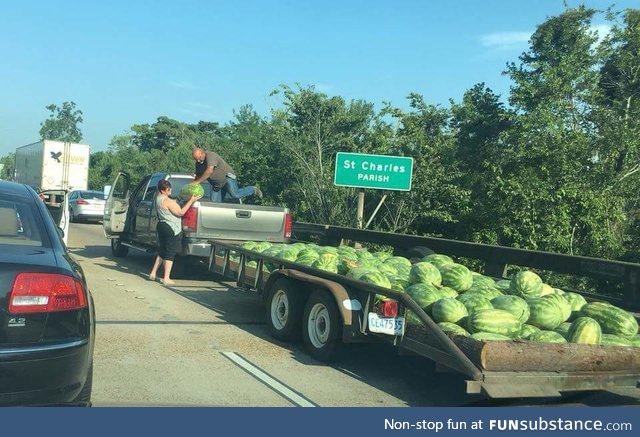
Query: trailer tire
x,y
284,307
415,254
321,326
118,249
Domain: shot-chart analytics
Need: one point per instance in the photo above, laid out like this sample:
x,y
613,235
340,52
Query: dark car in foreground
x,y
47,318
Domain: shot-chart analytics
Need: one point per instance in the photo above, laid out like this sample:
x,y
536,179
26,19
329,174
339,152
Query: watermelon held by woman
x,y
191,190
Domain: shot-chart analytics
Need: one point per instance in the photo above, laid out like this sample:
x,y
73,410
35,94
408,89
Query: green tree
x,y
8,163
62,124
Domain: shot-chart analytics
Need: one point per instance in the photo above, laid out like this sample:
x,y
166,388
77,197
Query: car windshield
x,y
99,195
20,223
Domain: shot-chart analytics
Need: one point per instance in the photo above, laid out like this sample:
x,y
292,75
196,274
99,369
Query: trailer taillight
x,y
190,220
388,308
288,224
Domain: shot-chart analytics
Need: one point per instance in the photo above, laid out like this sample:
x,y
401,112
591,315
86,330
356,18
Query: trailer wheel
x,y
321,326
118,249
415,254
284,307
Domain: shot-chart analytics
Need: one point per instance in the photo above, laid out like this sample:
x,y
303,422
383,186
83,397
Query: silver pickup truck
x,y
130,218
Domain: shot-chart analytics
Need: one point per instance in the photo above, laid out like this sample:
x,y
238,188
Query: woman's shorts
x,y
168,243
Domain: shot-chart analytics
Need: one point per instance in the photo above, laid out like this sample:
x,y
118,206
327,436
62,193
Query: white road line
x,y
275,385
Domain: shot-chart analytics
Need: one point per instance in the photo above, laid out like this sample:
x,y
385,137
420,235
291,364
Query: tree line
x,y
553,166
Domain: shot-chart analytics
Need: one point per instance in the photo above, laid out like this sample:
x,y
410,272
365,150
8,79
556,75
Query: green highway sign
x,y
379,172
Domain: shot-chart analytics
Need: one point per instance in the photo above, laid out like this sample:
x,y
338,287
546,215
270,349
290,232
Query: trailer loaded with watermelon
x,y
509,337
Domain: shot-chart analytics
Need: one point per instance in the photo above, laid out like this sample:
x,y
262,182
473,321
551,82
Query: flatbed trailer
x,y
328,310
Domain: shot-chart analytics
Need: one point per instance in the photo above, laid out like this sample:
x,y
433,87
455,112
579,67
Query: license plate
x,y
386,325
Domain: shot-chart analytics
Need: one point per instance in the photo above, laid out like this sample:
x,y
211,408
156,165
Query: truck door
x,y
117,206
57,202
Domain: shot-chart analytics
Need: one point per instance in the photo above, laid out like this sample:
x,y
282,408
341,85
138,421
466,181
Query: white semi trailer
x,y
53,165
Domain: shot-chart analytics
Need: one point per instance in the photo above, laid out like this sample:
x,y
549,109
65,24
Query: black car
x,y
47,317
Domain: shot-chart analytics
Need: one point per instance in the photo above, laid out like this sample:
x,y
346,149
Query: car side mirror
x,y
60,231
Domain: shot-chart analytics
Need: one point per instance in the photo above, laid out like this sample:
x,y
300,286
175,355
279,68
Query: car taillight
x,y
288,224
190,220
45,292
388,308
82,202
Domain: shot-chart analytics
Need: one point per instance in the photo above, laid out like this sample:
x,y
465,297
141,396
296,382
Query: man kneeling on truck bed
x,y
211,166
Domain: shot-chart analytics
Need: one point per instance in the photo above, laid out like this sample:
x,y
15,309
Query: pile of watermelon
x,y
467,303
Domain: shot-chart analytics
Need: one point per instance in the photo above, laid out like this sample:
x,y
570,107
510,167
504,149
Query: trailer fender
x,y
351,309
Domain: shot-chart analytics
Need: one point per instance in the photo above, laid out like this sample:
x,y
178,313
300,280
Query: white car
x,y
86,205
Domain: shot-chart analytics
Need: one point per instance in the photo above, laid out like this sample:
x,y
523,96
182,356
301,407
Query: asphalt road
x,y
205,343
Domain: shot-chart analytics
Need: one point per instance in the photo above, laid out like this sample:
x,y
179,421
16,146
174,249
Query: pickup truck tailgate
x,y
241,222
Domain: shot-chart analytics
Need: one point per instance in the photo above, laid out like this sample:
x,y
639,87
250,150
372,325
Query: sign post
x,y
380,172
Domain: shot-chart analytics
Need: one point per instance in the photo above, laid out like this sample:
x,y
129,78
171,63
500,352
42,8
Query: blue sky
x,y
128,62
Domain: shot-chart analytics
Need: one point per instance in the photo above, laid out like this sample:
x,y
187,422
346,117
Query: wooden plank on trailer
x,y
548,357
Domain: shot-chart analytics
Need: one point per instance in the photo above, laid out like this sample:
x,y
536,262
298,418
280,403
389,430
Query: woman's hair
x,y
163,185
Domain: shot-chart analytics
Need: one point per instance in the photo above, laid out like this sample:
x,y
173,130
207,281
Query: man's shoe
x,y
258,193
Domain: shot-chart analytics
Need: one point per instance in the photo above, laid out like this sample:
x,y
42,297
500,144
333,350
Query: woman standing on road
x,y
169,230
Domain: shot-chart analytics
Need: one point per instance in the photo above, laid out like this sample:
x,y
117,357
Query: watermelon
x,y
615,340
306,261
438,260
547,290
412,318
483,336
190,190
452,328
288,255
503,284
249,245
494,321
564,306
387,269
398,283
357,272
425,295
527,331
261,246
547,337
585,330
575,300
424,273
457,277
526,284
328,249
635,341
381,256
325,264
308,253
403,270
563,329
398,261
474,302
484,280
513,304
558,291
486,292
545,313
448,292
448,310
376,278
612,319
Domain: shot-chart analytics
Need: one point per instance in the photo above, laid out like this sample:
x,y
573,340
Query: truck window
x,y
150,194
138,193
119,190
178,183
